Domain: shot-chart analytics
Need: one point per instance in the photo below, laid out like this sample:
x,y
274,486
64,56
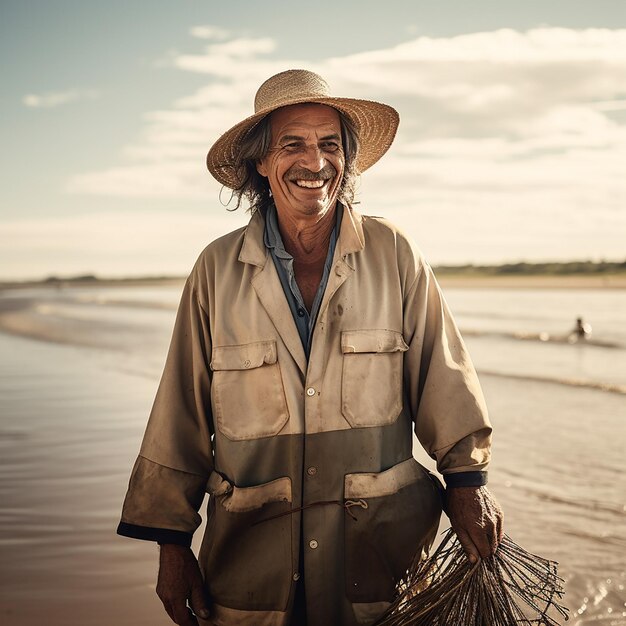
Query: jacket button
x,y
311,471
312,544
296,576
310,391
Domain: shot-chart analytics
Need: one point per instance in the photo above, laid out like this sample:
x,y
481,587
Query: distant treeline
x,y
86,278
555,268
92,278
528,269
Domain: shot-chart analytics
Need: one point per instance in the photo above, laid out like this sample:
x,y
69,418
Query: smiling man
x,y
308,348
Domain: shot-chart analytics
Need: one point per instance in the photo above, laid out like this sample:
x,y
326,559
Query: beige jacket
x,y
240,414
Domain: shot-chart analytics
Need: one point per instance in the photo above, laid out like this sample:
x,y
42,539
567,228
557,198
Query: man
x,y
308,347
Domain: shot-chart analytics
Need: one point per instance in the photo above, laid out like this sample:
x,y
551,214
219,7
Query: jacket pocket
x,y
397,515
247,388
371,382
246,554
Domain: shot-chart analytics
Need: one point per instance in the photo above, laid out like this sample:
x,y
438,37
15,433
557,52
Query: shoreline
x,y
447,280
69,283
533,281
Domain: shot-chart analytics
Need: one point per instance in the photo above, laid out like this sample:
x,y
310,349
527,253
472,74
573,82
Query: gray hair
x,y
255,145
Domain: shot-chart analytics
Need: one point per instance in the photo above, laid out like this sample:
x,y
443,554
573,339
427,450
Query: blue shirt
x,y
305,321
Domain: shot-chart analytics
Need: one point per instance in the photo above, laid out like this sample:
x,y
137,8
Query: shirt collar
x,y
255,251
272,237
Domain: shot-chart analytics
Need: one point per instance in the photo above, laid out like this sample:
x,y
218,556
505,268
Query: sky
x,y
511,146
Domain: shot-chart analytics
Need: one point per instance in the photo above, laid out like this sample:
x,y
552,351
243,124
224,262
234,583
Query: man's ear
x,y
261,168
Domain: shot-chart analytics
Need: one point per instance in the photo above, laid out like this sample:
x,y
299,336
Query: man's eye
x,y
329,146
293,146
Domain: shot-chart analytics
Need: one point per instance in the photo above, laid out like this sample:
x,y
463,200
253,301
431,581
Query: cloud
x,y
611,105
209,32
229,60
170,178
498,128
57,98
543,45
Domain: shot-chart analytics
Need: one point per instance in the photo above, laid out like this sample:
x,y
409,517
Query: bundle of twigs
x,y
510,588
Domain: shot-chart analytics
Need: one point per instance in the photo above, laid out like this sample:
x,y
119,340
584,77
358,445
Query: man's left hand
x,y
476,519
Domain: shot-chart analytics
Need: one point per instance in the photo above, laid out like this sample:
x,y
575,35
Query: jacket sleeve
x,y
444,394
169,479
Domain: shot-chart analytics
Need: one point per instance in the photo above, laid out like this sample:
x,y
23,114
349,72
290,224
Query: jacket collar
x,y
269,290
351,238
253,249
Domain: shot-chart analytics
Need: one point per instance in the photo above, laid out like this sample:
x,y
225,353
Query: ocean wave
x,y
84,302
570,382
607,539
104,301
587,503
513,317
75,321
544,337
60,323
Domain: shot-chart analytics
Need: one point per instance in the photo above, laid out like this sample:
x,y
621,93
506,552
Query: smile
x,y
310,184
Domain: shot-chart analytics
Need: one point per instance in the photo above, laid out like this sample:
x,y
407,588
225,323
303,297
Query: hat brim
x,y
376,122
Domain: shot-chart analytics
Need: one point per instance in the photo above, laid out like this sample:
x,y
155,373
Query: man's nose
x,y
313,159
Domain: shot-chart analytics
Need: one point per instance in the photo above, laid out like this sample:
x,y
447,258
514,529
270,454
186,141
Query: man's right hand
x,y
180,582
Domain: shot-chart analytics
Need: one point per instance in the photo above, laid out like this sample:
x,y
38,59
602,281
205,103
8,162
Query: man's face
x,y
305,164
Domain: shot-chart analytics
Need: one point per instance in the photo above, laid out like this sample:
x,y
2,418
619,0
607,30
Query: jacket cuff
x,y
466,479
160,535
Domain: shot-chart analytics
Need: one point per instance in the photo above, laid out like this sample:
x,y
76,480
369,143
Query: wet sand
x,y
71,419
70,429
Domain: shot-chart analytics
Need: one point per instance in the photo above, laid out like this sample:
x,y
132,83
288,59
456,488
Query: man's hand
x,y
476,519
180,581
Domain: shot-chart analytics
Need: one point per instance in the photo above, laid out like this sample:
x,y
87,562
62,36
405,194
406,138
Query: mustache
x,y
300,173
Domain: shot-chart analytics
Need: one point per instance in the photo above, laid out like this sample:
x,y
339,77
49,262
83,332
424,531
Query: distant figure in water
x,y
580,332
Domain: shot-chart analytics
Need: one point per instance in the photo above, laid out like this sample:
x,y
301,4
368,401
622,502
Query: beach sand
x,y
71,421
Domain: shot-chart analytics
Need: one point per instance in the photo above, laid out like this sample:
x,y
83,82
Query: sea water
x,y
559,412
78,371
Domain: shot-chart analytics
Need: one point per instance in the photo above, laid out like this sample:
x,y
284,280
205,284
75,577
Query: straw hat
x,y
376,123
